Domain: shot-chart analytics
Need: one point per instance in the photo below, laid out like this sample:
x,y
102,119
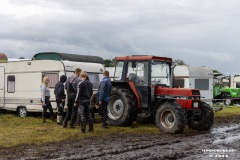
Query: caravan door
x,y
2,97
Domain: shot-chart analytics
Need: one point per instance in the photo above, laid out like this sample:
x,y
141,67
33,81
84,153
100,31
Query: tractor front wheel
x,y
228,102
170,118
206,120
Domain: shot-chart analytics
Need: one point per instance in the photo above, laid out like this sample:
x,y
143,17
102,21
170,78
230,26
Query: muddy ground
x,y
222,142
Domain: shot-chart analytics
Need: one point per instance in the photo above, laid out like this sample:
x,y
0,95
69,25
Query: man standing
x,y
104,92
60,98
71,87
82,100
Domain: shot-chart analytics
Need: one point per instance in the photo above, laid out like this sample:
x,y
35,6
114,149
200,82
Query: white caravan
x,y
20,81
196,78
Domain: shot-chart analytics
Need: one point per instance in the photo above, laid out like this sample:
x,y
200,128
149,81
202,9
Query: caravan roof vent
x,y
3,58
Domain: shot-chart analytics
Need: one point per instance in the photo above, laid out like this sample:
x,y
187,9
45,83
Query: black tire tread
x,y
206,121
130,114
179,114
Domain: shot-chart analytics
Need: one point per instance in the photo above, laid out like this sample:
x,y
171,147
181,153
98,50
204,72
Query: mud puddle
x,y
222,142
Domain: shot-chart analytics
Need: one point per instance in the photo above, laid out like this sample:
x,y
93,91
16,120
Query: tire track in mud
x,y
170,147
131,146
159,146
227,134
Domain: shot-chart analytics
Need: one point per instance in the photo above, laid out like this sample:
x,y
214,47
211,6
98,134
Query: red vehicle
x,y
142,88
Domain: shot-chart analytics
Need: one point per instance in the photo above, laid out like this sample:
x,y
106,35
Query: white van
x,y
20,80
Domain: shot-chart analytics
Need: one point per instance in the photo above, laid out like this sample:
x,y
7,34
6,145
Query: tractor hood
x,y
187,98
177,92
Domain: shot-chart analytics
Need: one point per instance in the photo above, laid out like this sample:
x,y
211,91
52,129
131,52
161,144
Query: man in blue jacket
x,y
104,92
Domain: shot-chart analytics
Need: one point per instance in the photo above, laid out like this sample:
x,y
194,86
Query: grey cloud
x,y
200,32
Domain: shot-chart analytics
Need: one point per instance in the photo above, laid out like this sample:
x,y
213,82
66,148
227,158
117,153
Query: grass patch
x,y
15,131
228,112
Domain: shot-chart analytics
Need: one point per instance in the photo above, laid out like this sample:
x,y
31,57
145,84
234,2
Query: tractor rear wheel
x,y
206,120
170,118
121,107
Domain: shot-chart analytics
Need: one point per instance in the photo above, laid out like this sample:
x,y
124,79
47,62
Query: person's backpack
x,y
71,90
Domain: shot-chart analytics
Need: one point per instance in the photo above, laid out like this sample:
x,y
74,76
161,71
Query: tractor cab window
x,y
118,70
160,73
138,72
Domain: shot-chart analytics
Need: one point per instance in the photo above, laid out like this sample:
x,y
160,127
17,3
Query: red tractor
x,y
142,88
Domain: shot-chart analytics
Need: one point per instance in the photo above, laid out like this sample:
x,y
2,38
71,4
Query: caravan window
x,y
202,84
11,84
53,79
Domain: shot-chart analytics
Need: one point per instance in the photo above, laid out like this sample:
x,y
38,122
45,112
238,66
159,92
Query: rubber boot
x,y
59,119
90,123
83,126
73,120
105,124
78,121
44,120
64,125
53,119
65,121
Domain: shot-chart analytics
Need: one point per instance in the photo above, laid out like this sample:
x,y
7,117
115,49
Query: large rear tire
x,y
206,120
121,107
170,118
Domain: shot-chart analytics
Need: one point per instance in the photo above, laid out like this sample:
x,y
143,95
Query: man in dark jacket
x,y
104,92
60,97
71,87
82,100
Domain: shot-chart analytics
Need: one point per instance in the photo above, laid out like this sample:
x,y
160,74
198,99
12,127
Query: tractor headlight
x,y
195,104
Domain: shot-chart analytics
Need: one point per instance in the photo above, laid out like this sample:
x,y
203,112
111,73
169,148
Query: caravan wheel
x,y
22,111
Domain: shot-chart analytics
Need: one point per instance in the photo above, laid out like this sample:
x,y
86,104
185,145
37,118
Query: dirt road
x,y
222,142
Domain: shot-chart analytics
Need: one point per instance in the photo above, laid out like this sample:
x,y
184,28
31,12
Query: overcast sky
x,y
199,32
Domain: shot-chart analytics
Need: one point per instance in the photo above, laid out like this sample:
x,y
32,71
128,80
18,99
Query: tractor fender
x,y
135,91
160,102
131,85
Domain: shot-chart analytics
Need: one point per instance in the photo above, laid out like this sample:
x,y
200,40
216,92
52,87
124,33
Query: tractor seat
x,y
133,77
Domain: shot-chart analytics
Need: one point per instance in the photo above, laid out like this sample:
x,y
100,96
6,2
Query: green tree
x,y
109,62
179,62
